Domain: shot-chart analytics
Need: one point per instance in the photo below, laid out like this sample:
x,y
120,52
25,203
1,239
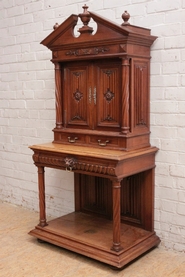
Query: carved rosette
x,y
77,95
72,164
109,95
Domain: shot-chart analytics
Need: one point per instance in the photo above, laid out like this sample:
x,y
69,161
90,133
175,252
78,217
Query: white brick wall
x,y
27,109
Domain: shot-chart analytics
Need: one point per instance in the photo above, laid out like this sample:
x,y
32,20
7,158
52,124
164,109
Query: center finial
x,y
85,7
85,18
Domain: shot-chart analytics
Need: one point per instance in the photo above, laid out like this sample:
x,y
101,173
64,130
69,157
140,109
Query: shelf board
x,y
92,236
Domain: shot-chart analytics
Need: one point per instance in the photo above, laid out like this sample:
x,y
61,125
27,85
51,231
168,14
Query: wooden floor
x,y
22,256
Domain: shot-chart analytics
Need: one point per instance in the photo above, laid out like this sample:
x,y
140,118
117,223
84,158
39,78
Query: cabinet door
x,y
92,95
76,91
107,87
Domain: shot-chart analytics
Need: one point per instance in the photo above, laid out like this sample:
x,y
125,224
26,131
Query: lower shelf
x,y
93,237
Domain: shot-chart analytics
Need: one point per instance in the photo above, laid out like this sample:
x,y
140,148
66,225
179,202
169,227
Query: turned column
x,y
116,187
41,184
58,98
125,96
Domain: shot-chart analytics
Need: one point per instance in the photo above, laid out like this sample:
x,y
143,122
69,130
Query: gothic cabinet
x,y
102,135
102,82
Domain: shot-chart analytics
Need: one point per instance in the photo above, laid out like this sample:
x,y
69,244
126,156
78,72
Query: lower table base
x,y
92,236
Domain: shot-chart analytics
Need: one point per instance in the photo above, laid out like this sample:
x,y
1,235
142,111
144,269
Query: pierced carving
x,y
87,51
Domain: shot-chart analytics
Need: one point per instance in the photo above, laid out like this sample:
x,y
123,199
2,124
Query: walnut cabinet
x,y
102,136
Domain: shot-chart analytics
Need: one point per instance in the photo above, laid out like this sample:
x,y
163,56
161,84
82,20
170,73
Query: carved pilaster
x,y
58,98
125,96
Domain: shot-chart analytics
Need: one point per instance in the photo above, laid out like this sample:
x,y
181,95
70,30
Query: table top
x,y
86,151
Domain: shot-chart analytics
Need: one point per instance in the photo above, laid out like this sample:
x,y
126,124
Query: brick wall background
x,y
27,108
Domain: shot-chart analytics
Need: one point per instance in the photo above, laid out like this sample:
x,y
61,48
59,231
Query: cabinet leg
x,y
41,184
116,217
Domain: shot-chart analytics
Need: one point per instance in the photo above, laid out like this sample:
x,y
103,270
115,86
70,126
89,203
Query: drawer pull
x,y
94,96
103,143
90,95
72,140
70,163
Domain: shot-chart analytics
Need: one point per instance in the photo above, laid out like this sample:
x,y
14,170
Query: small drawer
x,y
101,141
72,138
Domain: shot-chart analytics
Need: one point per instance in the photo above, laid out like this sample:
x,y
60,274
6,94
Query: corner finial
x,y
55,26
125,17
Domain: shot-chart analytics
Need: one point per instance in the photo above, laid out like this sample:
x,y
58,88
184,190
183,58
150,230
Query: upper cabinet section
x,y
108,38
102,82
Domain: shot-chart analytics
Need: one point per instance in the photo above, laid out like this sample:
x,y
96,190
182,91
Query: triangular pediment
x,y
64,35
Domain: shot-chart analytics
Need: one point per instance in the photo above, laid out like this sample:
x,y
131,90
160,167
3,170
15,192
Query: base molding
x,y
85,234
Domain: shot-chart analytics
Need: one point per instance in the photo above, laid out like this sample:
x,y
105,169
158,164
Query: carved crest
x,y
87,51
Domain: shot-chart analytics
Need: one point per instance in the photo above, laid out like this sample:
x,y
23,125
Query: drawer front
x,y
104,141
99,141
71,138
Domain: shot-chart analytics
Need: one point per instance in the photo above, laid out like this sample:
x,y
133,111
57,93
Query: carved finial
x,y
85,18
55,26
85,7
125,17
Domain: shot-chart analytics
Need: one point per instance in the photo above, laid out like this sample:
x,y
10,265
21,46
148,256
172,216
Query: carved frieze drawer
x,y
73,163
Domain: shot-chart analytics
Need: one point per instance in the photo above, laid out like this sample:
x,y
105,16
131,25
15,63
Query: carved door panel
x,y
107,80
140,113
92,95
76,92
